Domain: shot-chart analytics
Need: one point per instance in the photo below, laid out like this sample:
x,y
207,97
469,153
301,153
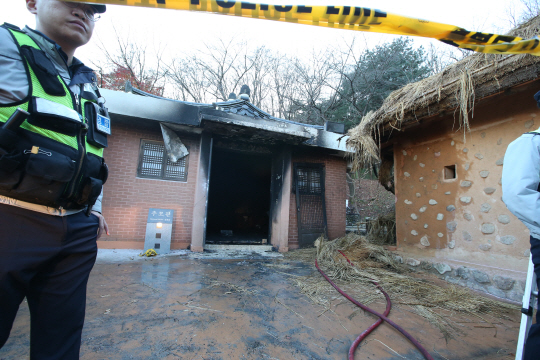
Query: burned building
x,y
248,178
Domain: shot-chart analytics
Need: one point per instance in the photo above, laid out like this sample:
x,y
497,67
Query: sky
x,y
179,32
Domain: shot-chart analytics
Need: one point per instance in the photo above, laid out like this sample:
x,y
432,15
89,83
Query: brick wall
x,y
335,193
127,198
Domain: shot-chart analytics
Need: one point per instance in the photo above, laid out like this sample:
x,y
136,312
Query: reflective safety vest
x,y
57,158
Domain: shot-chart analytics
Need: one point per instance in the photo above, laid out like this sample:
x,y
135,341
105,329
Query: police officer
x,y
520,184
51,175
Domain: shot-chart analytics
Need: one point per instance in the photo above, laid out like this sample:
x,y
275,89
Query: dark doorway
x,y
238,198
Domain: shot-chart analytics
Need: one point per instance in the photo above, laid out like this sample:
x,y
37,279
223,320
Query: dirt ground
x,y
212,309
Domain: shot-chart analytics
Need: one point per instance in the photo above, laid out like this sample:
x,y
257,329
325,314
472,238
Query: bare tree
x,y
531,9
518,14
212,73
129,61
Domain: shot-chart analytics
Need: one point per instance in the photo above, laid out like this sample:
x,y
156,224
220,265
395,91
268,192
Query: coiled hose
x,y
381,317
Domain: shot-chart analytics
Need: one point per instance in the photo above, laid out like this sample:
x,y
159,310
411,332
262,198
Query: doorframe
x,y
280,201
200,201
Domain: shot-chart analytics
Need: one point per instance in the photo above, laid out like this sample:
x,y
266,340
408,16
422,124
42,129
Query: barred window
x,y
154,163
309,180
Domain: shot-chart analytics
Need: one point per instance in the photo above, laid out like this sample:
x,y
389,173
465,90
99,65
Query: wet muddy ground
x,y
213,309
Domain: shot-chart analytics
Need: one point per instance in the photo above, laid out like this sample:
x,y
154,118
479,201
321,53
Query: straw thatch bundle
x,y
455,89
382,230
374,263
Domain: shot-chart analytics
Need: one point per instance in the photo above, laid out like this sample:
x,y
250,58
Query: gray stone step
x,y
257,248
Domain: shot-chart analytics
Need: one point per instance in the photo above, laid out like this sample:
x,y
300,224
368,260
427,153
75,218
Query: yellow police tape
x,y
350,18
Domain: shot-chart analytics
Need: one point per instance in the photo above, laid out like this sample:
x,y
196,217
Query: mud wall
x,y
462,221
127,198
335,192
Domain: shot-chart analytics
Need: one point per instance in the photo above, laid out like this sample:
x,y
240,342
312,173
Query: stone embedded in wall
x,y
500,162
467,236
426,265
398,258
423,209
467,166
489,190
426,226
442,268
434,186
529,124
453,143
414,216
492,289
508,239
480,277
468,216
407,174
485,247
447,193
465,200
515,296
466,184
484,174
440,235
527,253
450,208
440,217
479,156
414,233
422,165
463,272
437,154
504,219
412,262
485,208
503,283
465,150
421,179
418,195
404,153
424,241
408,202
451,226
415,157
432,202
452,244
488,228
406,222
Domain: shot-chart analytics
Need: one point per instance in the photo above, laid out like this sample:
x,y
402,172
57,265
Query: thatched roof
x,y
456,88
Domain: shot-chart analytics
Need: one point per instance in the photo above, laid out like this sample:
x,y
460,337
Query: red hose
x,y
381,316
376,324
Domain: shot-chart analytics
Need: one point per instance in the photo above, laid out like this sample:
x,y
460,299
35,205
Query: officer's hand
x,y
103,227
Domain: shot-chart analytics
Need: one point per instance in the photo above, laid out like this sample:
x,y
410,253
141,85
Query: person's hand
x,y
103,227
